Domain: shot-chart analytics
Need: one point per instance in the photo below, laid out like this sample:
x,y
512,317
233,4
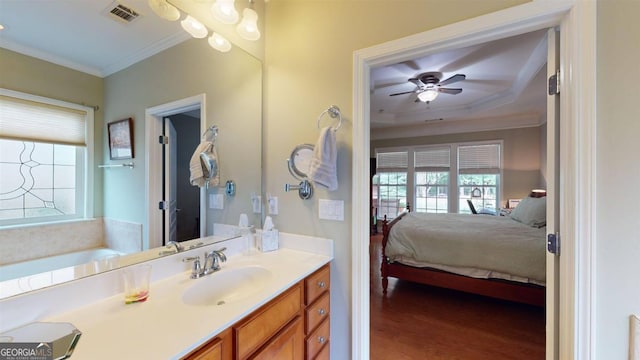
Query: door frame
x,y
153,163
577,23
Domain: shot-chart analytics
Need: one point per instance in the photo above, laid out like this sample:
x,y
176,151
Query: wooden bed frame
x,y
502,289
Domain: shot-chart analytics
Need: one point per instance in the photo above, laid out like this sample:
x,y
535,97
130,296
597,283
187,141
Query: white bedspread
x,y
477,245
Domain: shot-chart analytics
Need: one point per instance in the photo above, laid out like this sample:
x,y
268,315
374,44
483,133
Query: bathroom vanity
x,y
295,325
258,306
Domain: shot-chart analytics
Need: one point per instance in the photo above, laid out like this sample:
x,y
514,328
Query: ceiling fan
x,y
429,86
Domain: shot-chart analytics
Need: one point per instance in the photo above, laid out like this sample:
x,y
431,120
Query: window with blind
x,y
479,176
390,183
431,167
45,155
427,177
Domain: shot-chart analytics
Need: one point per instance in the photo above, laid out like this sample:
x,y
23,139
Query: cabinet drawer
x,y
267,321
324,353
316,283
317,312
317,340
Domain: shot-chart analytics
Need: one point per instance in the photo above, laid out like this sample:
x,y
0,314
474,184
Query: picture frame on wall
x,y
120,139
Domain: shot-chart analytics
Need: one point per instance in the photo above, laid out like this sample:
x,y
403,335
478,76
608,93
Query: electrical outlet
x,y
273,205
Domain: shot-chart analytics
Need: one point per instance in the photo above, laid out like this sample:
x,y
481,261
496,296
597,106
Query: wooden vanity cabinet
x,y
219,348
274,329
294,325
317,309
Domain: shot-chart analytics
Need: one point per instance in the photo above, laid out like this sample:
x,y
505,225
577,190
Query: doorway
x,y
577,25
182,222
466,131
154,174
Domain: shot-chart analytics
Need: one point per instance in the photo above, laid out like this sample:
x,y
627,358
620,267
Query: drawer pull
x,y
321,339
321,284
321,311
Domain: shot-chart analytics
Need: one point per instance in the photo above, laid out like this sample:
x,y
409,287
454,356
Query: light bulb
x,y
165,10
248,27
194,27
225,12
219,43
428,95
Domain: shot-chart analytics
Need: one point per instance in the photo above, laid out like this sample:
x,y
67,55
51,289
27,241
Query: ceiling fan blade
x,y
453,79
450,91
403,93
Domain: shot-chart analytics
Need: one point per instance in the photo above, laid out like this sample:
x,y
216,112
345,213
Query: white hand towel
x,y
323,168
197,169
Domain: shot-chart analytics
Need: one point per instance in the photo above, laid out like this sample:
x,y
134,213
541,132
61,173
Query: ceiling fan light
x,y
248,27
194,27
219,42
428,95
225,12
164,10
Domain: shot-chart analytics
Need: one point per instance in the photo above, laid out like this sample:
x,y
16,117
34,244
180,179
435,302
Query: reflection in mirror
x,y
116,230
300,160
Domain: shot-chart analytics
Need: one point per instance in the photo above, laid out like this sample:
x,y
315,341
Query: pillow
x,y
531,211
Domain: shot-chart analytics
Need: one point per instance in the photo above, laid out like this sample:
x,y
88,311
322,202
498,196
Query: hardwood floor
x,y
416,321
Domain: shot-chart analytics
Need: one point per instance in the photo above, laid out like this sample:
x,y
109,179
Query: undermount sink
x,y
227,285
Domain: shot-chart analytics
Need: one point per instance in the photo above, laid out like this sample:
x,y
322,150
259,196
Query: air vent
x,y
122,13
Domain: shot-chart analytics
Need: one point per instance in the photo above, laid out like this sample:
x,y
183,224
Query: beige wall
x,y
33,76
521,155
309,66
618,177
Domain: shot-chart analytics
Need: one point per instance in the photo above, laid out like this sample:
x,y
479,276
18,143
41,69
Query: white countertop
x,y
163,327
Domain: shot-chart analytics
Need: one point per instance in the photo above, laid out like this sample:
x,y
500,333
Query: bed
x,y
497,256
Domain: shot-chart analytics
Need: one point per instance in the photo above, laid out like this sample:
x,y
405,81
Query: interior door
x,y
553,208
170,183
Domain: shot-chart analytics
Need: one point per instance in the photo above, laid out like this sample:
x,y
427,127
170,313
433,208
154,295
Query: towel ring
x,y
334,112
211,134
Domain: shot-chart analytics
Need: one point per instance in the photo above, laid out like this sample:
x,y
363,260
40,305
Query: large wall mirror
x,y
230,88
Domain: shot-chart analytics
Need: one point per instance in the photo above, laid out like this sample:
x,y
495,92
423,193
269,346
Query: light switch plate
x,y
256,202
331,209
216,201
273,205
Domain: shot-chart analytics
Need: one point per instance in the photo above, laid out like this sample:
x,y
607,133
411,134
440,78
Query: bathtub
x,y
39,273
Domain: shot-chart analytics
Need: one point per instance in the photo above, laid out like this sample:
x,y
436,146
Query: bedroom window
x,y
438,178
478,176
44,154
431,168
390,184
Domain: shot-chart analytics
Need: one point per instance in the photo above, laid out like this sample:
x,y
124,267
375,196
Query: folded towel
x,y
203,161
323,168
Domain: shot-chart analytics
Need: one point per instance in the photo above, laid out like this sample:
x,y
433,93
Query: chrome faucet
x,y
178,248
211,263
176,244
212,260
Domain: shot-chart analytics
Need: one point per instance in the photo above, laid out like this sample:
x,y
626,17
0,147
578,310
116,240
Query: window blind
x,y
433,159
479,159
392,160
22,119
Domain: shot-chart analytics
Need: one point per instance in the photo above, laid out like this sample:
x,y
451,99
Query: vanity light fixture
x,y
225,11
219,42
248,27
194,27
428,95
165,10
